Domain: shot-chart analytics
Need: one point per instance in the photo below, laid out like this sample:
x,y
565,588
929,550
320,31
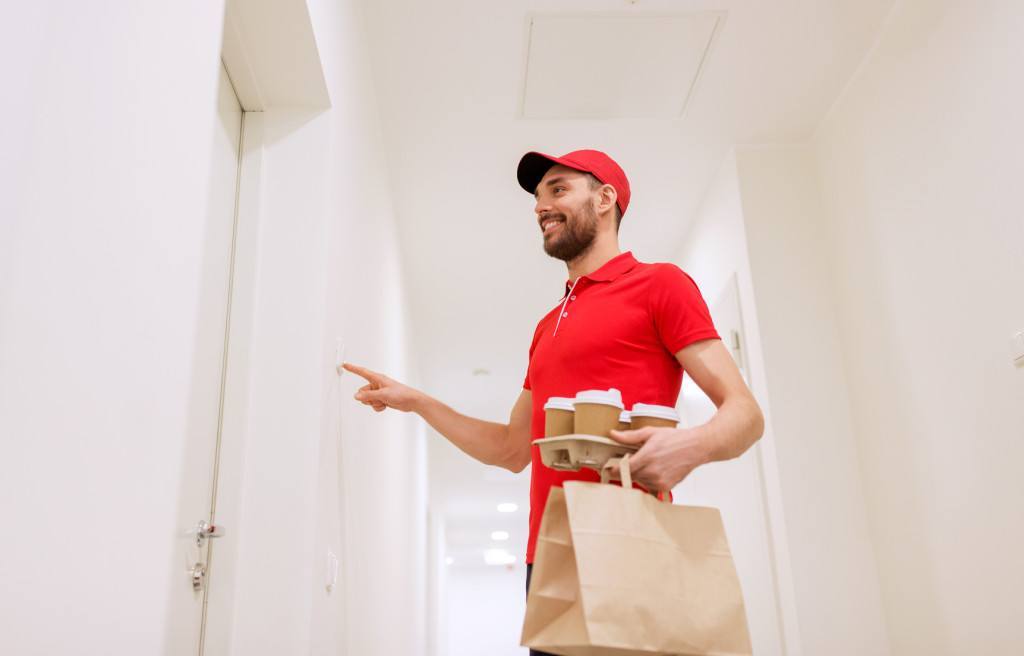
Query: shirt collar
x,y
610,270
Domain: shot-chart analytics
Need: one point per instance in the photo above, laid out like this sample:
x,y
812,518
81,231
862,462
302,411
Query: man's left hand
x,y
666,455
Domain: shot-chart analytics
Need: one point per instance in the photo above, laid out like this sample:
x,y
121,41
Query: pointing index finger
x,y
371,376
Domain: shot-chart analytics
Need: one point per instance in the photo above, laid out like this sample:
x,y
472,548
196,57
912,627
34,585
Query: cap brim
x,y
532,168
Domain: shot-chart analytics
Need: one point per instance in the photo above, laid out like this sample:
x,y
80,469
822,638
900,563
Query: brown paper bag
x,y
617,572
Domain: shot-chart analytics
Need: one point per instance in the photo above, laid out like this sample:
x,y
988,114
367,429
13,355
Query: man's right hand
x,y
382,392
502,445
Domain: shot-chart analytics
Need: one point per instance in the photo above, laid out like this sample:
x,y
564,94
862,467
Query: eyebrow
x,y
553,181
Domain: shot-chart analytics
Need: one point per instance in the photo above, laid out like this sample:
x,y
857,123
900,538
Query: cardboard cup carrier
x,y
580,437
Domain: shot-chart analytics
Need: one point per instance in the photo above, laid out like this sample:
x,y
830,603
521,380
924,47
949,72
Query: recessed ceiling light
x,y
449,560
507,507
499,535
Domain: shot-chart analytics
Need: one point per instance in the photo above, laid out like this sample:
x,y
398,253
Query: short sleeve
x,y
678,310
533,347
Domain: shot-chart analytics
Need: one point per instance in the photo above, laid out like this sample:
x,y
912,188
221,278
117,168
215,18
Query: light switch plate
x,y
339,355
332,571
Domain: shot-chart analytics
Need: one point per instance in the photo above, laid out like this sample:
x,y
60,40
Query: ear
x,y
607,197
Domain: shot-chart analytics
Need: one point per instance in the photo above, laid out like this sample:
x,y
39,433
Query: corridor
x,y
209,206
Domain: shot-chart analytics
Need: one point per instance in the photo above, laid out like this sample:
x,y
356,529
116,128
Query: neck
x,y
604,248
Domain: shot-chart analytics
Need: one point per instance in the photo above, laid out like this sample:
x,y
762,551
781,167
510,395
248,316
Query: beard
x,y
576,236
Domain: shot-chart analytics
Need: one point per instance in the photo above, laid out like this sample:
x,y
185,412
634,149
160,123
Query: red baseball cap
x,y
533,166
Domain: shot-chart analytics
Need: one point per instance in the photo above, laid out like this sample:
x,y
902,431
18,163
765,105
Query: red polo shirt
x,y
620,327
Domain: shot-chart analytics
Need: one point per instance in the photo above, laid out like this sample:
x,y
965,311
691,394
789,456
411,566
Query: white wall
x,y
885,262
106,126
383,455
103,214
349,480
279,511
921,164
714,251
834,572
757,223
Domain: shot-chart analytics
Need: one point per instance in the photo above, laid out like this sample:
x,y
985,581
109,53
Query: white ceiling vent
x,y
601,66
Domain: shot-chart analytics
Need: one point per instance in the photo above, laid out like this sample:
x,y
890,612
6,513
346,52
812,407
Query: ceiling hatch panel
x,y
599,66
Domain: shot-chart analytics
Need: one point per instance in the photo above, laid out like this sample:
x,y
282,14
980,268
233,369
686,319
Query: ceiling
x,y
451,79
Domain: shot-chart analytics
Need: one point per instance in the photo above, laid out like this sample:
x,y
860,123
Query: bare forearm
x,y
486,441
737,424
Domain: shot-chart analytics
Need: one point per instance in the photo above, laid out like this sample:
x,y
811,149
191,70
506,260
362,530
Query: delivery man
x,y
621,323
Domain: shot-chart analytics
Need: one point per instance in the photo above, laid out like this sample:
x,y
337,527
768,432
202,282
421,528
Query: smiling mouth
x,y
548,225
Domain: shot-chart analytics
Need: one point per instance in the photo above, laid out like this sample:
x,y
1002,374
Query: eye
x,y
557,189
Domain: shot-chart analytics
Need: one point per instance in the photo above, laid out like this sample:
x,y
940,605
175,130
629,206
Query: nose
x,y
541,206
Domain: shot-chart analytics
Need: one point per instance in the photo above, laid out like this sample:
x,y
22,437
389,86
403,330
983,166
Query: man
x,y
621,323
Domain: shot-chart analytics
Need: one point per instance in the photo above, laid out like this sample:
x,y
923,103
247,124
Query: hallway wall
x,y
102,236
920,164
757,223
382,457
345,480
834,570
714,252
885,263
106,131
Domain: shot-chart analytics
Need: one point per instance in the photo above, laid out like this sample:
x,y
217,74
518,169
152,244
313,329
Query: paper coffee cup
x,y
623,421
559,416
597,412
645,414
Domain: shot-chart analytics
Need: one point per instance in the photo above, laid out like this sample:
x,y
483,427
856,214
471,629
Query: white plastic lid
x,y
656,411
559,403
624,417
604,397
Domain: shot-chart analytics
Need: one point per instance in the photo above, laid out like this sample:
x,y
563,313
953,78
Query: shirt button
x,y
572,298
565,314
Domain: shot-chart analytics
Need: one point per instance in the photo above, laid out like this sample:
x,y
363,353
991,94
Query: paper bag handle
x,y
622,464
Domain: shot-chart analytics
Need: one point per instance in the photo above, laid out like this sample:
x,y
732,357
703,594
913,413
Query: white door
x,y
736,487
198,500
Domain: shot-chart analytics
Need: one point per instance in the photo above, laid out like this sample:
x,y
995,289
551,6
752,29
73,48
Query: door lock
x,y
203,529
198,576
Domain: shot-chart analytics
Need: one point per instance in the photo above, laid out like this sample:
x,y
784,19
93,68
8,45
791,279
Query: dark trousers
x,y
529,573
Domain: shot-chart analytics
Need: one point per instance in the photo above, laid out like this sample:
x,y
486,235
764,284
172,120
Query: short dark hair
x,y
594,184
